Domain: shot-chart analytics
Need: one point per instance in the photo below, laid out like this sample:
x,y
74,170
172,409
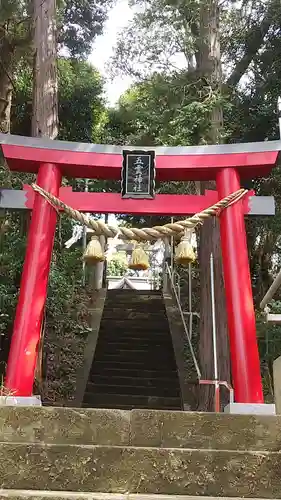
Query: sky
x,y
103,47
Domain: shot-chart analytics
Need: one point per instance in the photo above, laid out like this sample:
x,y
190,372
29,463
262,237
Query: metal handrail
x,y
183,321
271,291
216,382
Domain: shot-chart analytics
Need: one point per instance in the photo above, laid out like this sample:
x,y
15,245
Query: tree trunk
x,y
45,91
6,90
210,70
6,86
45,94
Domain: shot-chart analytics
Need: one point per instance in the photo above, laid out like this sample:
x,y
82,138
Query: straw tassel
x,y
184,253
94,252
139,260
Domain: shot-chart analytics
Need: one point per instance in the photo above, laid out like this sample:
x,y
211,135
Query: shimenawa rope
x,y
144,234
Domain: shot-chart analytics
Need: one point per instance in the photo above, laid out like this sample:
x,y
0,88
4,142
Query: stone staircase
x,y
136,455
134,364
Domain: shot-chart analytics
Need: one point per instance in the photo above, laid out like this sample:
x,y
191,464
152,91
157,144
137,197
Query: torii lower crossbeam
x,y
112,203
226,164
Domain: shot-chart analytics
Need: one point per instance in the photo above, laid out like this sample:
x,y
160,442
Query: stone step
x,y
136,389
133,294
135,306
57,495
136,355
131,407
154,307
100,369
134,348
64,425
111,342
166,429
139,302
145,336
115,400
106,352
111,334
136,330
133,315
153,294
135,381
129,364
140,470
134,302
151,356
68,495
132,342
115,332
124,323
134,318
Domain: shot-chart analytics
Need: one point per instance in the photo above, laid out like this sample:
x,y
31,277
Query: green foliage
x,y
163,110
81,106
80,101
117,266
12,249
15,17
269,339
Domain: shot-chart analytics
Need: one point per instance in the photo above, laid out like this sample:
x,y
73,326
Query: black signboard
x,y
138,174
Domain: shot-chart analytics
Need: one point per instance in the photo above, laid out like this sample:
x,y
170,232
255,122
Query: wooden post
x,y
167,253
277,384
98,269
209,67
45,86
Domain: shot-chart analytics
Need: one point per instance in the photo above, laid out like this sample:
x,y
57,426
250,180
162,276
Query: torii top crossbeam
x,y
93,161
226,164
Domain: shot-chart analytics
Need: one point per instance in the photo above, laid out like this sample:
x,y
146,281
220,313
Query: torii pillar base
x,y
250,409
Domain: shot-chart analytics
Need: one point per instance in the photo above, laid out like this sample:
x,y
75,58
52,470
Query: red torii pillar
x,y
245,362
52,159
33,289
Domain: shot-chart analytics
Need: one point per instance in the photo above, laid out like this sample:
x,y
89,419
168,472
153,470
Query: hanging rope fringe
x,y
139,260
184,253
144,234
94,252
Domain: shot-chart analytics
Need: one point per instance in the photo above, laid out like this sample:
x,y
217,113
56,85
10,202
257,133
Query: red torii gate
x,y
226,164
